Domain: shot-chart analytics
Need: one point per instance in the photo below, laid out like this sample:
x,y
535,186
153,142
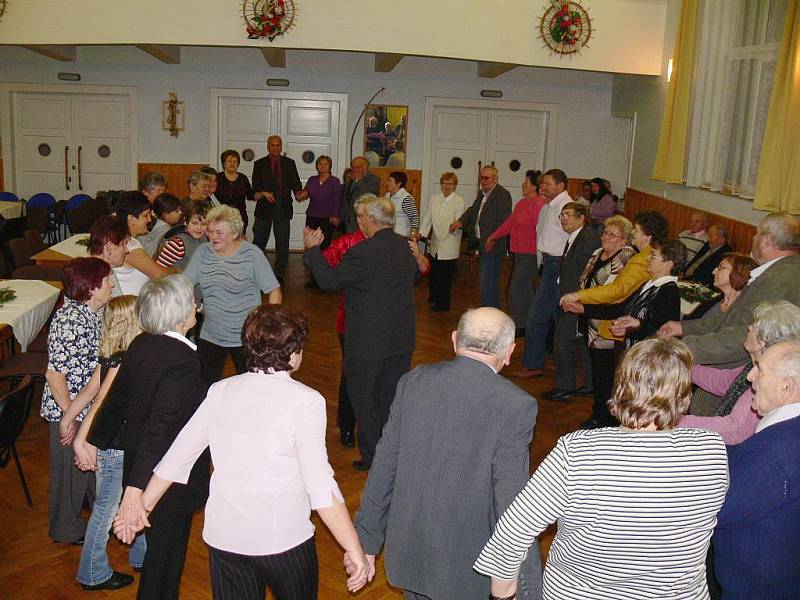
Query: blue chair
x,y
8,197
77,200
47,202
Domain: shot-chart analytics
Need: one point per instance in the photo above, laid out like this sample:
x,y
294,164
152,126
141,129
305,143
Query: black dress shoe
x,y
556,394
348,439
116,581
584,391
360,465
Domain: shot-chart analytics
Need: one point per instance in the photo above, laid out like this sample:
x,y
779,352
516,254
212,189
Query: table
x,y
63,252
28,312
687,307
10,210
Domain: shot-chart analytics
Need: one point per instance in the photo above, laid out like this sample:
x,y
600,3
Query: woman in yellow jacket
x,y
648,226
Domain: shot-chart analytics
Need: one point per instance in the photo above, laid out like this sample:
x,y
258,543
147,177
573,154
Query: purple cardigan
x,y
735,427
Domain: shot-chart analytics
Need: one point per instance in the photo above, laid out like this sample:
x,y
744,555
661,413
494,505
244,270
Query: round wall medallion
x,y
565,27
104,151
248,154
308,157
514,165
456,162
44,150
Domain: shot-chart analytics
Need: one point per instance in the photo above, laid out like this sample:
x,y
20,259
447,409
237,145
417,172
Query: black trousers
x,y
212,360
325,225
604,363
345,417
372,384
277,220
441,282
292,575
167,540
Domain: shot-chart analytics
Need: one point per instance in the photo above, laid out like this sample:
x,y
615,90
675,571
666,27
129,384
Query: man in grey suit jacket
x,y
582,242
363,182
492,206
718,338
452,457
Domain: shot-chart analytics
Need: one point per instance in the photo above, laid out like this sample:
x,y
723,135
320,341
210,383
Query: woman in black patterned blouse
x,y
233,188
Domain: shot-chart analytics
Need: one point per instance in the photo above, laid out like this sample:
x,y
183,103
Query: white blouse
x,y
267,438
130,279
436,220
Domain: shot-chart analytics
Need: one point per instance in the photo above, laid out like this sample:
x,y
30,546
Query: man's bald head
x,y
485,330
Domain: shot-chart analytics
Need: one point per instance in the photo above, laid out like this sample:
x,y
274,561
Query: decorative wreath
x,y
565,27
268,18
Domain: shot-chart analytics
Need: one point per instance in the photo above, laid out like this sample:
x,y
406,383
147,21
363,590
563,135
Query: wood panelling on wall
x,y
176,174
740,235
413,186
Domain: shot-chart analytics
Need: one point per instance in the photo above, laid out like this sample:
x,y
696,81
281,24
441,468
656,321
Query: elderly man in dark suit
x,y
582,242
275,178
363,182
453,455
377,277
491,207
701,267
718,338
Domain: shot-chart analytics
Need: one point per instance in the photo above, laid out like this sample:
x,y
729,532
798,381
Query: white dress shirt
x,y
551,237
440,213
780,414
756,273
267,438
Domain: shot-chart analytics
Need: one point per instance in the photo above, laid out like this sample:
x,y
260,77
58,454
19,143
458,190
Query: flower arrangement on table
x,y
695,293
267,18
7,295
83,241
565,27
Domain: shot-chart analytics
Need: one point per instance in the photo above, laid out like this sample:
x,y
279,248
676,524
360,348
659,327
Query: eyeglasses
x,y
486,177
610,234
655,257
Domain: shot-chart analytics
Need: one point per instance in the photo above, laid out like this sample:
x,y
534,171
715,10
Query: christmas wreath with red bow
x,y
565,27
268,18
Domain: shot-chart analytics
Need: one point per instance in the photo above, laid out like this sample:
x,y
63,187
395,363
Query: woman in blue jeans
x,y
120,326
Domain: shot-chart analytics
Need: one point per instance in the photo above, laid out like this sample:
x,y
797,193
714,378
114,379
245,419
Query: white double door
x,y
67,144
464,138
310,125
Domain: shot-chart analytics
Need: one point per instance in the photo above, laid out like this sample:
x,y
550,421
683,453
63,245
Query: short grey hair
x,y
152,179
776,321
720,229
783,228
380,209
489,337
226,214
789,365
621,223
197,176
164,303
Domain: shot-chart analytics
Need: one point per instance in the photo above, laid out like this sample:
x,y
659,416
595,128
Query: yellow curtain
x,y
778,183
669,165
393,114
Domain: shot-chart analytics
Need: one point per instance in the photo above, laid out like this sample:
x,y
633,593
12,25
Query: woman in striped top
x,y
636,505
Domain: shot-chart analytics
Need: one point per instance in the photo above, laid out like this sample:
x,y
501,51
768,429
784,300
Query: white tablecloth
x,y
71,248
10,210
28,312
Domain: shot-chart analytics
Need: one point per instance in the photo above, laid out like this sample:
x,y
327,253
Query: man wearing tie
x,y
551,241
275,178
487,213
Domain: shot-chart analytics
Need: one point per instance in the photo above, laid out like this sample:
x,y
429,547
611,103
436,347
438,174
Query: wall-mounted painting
x,y
385,135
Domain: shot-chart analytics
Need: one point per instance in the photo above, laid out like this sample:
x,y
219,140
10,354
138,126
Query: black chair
x,y
59,222
14,409
35,240
38,218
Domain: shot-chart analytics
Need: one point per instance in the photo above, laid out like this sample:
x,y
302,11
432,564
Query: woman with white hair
x,y
156,392
232,274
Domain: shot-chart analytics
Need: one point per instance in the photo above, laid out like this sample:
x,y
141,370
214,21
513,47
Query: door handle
x,y
80,183
66,167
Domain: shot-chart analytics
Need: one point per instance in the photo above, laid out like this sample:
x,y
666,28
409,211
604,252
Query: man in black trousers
x,y
377,277
275,178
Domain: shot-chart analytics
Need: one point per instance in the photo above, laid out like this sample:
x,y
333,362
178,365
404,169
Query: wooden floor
x,y
33,567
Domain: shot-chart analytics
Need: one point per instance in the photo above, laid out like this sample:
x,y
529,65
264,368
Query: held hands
x,y
301,195
268,195
671,329
335,221
67,431
619,327
360,567
312,237
571,303
132,515
489,244
455,226
412,243
85,455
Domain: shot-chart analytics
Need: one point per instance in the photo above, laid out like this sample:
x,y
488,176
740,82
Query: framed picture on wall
x,y
386,135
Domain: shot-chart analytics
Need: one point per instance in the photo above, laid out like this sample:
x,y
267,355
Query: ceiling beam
x,y
62,53
170,55
275,57
385,62
491,70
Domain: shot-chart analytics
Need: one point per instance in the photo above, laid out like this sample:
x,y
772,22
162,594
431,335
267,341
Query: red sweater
x,y
334,254
521,224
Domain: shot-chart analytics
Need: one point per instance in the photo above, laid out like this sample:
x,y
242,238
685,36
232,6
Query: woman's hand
x,y
360,567
620,327
490,243
571,298
67,431
671,329
85,455
132,516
